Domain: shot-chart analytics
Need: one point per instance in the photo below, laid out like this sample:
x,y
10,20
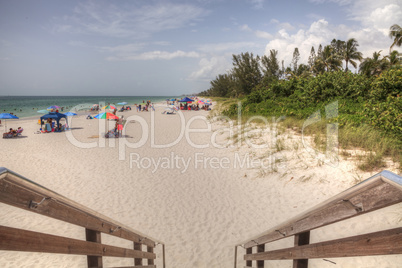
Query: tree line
x,y
251,73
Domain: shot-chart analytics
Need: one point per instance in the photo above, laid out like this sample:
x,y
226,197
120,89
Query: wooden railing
x,y
20,192
379,191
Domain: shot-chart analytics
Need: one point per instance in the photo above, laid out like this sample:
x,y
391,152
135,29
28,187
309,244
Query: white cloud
x,y
154,55
210,68
258,33
318,33
340,2
128,48
257,4
284,25
132,21
231,47
373,17
264,35
245,27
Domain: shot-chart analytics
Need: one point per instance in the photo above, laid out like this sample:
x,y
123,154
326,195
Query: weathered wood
x,y
260,248
163,256
137,261
94,261
367,198
16,192
249,251
379,243
300,240
150,250
235,257
23,240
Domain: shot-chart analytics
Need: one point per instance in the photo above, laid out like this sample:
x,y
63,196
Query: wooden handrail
x,y
381,190
17,191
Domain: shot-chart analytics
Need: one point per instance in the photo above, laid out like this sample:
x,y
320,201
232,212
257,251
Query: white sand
x,y
200,212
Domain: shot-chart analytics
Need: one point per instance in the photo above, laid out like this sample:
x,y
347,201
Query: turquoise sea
x,y
28,106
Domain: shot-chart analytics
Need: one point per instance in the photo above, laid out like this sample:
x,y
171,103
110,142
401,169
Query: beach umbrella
x,y
43,111
70,114
106,116
110,107
53,107
122,103
6,116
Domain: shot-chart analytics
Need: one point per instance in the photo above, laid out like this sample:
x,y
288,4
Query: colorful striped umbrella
x,y
106,116
53,107
110,107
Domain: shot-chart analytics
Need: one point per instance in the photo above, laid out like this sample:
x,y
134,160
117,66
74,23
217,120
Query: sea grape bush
x,y
362,100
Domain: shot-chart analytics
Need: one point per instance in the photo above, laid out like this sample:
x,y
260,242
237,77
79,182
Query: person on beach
x,y
6,134
120,125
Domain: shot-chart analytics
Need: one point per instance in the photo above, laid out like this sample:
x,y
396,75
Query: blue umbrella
x,y
70,114
7,116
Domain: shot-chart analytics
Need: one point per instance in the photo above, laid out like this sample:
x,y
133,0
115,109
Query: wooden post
x,y
249,263
163,256
93,261
235,257
260,248
137,261
300,240
151,250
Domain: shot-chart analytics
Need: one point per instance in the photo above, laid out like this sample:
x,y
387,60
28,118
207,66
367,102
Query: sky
x,y
169,47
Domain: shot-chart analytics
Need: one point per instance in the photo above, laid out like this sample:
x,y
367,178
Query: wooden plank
x,y
300,240
93,261
375,196
137,261
23,240
379,243
249,251
150,250
57,207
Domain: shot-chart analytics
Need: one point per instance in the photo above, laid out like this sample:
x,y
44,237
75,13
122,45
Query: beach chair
x,y
18,133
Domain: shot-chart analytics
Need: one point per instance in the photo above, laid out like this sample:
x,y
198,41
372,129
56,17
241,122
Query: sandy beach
x,y
182,180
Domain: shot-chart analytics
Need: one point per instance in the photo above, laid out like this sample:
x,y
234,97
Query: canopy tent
x,y
186,100
54,116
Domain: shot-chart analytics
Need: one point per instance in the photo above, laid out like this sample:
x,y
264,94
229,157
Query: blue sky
x,y
145,47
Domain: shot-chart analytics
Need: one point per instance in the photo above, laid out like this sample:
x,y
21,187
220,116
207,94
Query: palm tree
x,y
374,66
350,53
329,59
395,58
395,32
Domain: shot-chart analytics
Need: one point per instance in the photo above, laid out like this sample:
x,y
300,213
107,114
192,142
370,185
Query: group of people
x,y
118,129
194,107
145,106
12,133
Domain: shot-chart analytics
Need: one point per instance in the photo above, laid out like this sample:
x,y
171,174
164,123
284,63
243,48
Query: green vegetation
x,y
369,102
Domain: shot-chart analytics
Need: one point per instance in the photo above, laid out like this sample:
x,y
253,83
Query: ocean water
x,y
28,106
